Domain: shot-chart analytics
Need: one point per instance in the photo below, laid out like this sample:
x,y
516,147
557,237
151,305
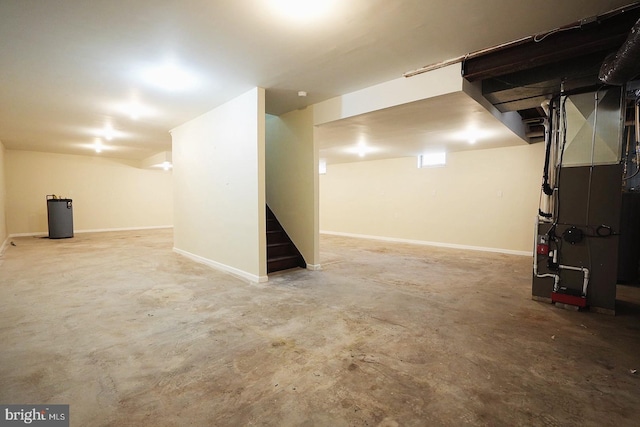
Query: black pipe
x,y
546,188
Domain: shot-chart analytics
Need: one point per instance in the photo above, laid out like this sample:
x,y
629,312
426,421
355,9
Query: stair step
x,y
284,257
279,249
273,225
282,253
276,236
282,263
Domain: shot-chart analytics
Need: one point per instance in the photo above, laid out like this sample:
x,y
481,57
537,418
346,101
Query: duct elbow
x,y
545,106
620,67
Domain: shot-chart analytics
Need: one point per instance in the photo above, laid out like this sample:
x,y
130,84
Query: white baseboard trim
x,y
314,267
106,230
222,267
4,245
40,233
426,243
97,230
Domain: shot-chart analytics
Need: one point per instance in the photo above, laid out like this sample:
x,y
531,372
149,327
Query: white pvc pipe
x,y
584,271
535,254
556,277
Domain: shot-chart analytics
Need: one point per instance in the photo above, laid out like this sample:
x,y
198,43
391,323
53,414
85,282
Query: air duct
x,y
621,67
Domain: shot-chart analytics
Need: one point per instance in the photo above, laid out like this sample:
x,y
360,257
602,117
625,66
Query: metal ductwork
x,y
621,67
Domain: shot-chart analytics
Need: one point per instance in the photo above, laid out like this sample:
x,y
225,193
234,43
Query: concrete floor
x,y
130,334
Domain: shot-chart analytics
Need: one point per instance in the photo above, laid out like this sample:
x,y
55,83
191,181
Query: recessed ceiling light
x,y
472,135
160,160
134,108
302,10
108,132
170,76
361,149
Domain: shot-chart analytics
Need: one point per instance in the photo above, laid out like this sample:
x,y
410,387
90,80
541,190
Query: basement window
x,y
431,160
322,167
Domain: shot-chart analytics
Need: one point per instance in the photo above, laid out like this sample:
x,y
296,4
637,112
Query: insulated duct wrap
x,y
621,67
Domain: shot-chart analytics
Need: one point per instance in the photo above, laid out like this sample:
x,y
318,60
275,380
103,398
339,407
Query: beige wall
x,y
107,193
390,94
3,197
219,187
292,179
484,199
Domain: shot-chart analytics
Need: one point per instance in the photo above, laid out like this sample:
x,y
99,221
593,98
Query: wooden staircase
x,y
282,254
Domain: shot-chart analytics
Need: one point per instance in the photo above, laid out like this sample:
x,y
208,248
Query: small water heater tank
x,y
60,217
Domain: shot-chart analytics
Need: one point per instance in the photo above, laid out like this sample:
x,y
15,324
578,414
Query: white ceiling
x,y
67,66
452,122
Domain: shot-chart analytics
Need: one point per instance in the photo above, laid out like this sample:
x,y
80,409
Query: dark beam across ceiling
x,y
604,35
528,88
522,75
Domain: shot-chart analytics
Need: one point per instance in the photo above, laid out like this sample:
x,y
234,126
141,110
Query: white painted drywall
x,y
292,179
390,94
107,193
219,187
481,199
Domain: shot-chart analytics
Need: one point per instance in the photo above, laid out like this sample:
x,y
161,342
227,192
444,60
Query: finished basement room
x,y
319,213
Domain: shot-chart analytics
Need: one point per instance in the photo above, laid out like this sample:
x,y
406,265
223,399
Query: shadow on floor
x,y
628,301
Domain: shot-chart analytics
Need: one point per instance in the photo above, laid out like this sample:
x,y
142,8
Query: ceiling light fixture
x,y
134,109
472,135
160,160
170,76
108,132
302,10
98,145
361,149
